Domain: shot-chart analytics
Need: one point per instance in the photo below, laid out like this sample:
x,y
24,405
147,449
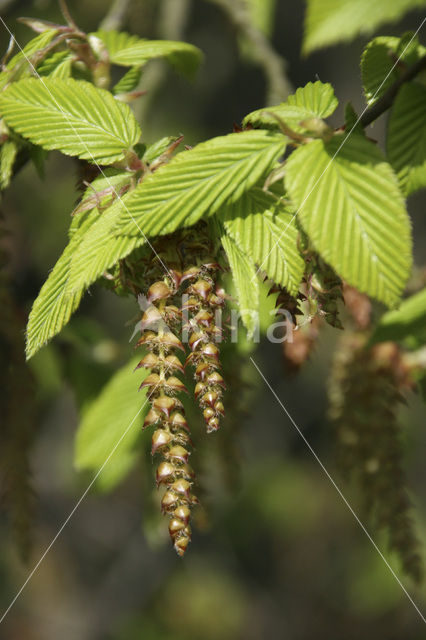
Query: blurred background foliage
x,y
276,552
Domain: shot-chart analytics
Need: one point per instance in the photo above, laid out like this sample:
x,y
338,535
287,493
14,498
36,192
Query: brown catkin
x,y
202,308
364,394
170,440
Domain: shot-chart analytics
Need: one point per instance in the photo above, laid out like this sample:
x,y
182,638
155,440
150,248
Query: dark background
x,y
277,553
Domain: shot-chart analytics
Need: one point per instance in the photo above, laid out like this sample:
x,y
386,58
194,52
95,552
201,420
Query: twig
x,y
273,65
387,99
116,15
66,13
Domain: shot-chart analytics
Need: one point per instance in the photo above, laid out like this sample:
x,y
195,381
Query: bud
x,y
164,472
177,420
201,288
172,362
159,291
150,361
182,513
160,437
177,453
165,404
209,398
152,417
175,385
175,525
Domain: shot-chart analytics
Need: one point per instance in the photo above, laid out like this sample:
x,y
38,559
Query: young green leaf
x,y
406,140
129,81
127,50
55,303
71,116
8,153
314,100
378,67
265,229
194,184
331,21
408,323
58,65
19,66
100,194
245,282
350,205
102,430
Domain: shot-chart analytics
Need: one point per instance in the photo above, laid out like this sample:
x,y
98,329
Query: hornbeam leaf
x,y
331,21
8,153
314,100
54,305
265,229
350,205
128,51
407,323
58,65
406,140
245,281
71,116
194,184
378,67
102,430
23,62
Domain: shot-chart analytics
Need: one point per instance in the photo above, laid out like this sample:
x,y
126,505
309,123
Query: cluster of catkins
x,y
365,394
183,303
320,293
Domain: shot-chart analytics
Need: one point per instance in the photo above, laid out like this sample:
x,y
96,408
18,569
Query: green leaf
x,y
8,153
111,419
262,14
408,322
128,51
100,194
331,21
265,229
352,123
406,139
19,65
33,46
351,207
58,65
156,149
314,100
54,305
378,60
194,184
129,81
72,116
245,281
